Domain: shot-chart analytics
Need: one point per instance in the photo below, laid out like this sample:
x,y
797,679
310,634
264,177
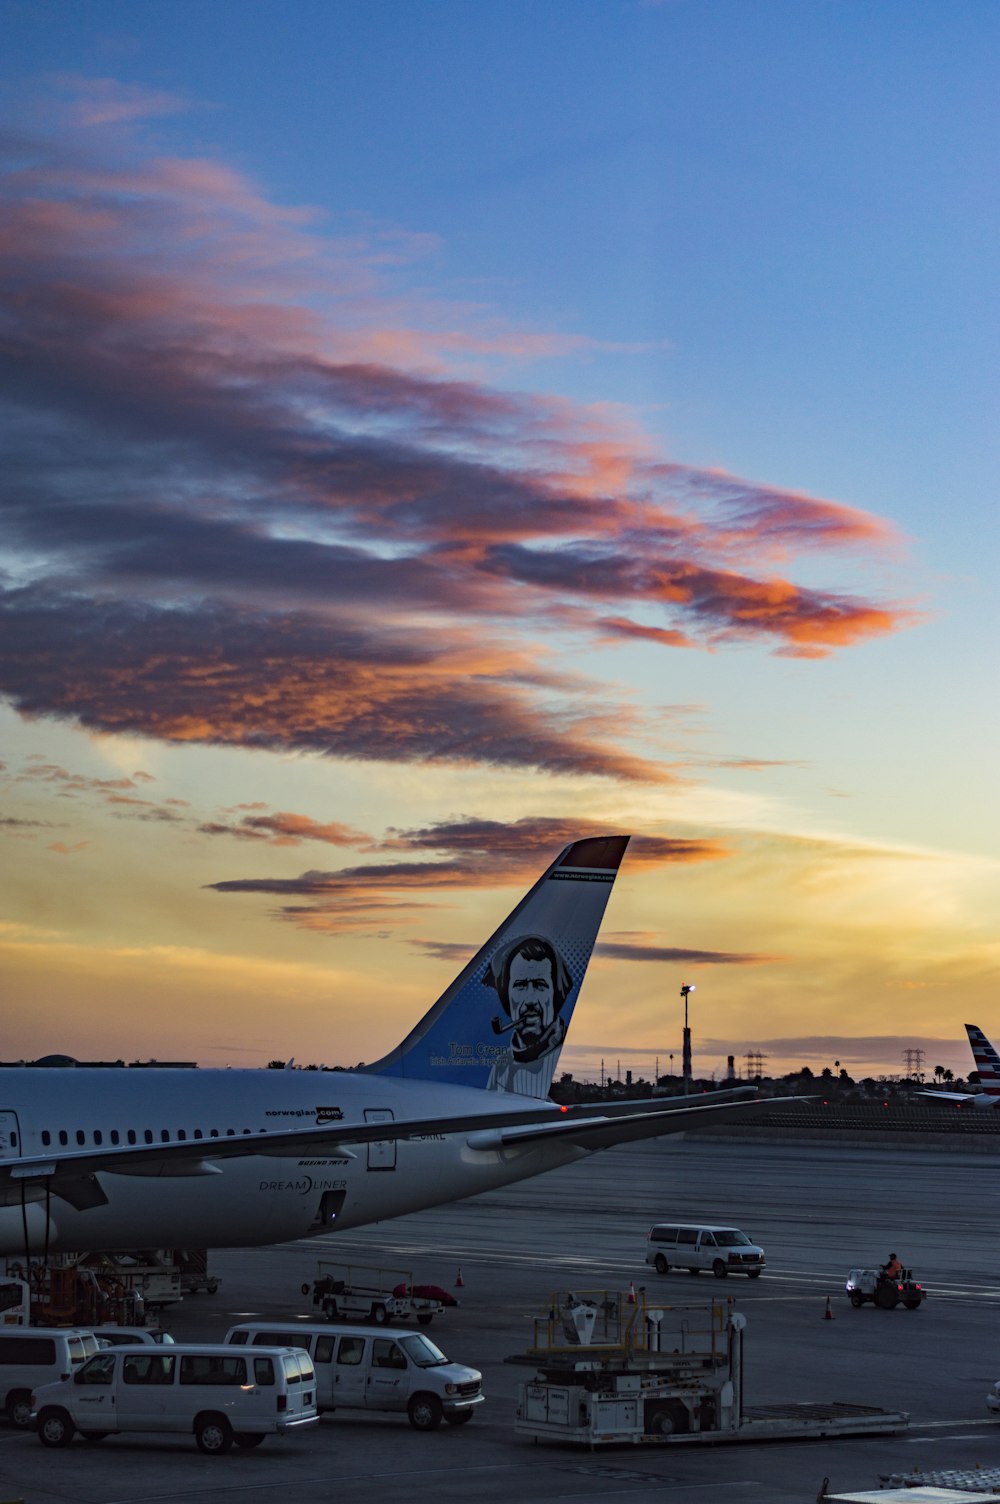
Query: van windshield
x,y
732,1239
421,1351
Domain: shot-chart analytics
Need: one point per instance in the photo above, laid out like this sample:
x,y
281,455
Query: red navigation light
x,y
564,1108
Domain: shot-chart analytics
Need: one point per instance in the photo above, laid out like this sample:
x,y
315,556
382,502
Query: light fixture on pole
x,y
686,991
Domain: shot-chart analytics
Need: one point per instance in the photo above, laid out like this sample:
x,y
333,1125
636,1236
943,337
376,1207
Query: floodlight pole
x,y
686,991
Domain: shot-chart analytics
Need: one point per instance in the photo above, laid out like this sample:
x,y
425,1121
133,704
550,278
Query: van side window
x,y
387,1355
352,1350
263,1371
324,1350
41,1350
664,1235
280,1339
687,1235
100,1370
238,1339
148,1368
209,1368
708,1240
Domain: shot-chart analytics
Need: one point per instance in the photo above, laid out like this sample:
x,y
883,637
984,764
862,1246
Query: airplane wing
x,y
72,1174
948,1096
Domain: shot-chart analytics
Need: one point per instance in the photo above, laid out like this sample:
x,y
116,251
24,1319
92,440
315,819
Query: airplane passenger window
x,y
46,1137
131,1135
147,1134
81,1137
98,1136
164,1136
63,1137
114,1136
198,1133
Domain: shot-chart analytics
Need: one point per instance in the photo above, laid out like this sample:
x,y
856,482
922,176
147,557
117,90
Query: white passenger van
x,y
219,1395
388,1369
33,1355
691,1246
129,1336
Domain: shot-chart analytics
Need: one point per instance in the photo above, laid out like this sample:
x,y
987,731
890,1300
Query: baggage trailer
x,y
192,1264
940,1486
365,1292
613,1369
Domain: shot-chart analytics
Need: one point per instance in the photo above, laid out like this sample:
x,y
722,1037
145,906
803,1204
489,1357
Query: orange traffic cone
x,y
631,1293
459,1281
828,1314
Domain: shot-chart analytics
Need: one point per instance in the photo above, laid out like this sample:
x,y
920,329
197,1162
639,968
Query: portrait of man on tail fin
x,y
533,982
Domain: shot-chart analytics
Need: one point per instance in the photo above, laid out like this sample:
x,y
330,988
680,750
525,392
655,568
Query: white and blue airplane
x,y
106,1158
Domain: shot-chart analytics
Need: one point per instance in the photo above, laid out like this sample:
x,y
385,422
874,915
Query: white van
x,y
33,1355
691,1246
388,1369
221,1396
129,1336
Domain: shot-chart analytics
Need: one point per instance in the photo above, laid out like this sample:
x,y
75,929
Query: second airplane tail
x,y
502,1022
987,1061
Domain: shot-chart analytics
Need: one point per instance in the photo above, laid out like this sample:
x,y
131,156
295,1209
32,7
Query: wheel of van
x,y
214,1434
19,1408
425,1412
460,1417
248,1439
55,1429
694,1271
753,1274
379,1315
719,1269
857,1301
425,1318
660,1264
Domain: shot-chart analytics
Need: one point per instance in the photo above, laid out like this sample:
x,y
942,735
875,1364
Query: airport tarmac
x,y
816,1209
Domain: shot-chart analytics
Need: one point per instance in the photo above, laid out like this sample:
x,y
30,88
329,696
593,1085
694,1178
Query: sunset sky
x,y
434,430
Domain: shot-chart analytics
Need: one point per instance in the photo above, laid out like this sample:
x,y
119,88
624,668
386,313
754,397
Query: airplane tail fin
x,y
987,1061
502,1022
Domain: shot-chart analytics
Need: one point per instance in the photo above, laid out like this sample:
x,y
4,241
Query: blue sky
x,y
719,277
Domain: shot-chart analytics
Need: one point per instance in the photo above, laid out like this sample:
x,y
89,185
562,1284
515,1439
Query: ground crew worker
x,y
893,1268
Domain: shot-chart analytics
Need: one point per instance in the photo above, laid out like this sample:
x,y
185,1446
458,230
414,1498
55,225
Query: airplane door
x,y
10,1137
381,1152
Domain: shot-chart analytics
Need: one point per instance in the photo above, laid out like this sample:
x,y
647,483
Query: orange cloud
x,y
283,528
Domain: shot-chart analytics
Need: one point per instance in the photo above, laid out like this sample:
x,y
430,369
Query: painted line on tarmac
x,y
942,1425
340,1478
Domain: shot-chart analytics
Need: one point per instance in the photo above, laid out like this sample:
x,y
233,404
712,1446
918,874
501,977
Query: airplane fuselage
x,y
250,1200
